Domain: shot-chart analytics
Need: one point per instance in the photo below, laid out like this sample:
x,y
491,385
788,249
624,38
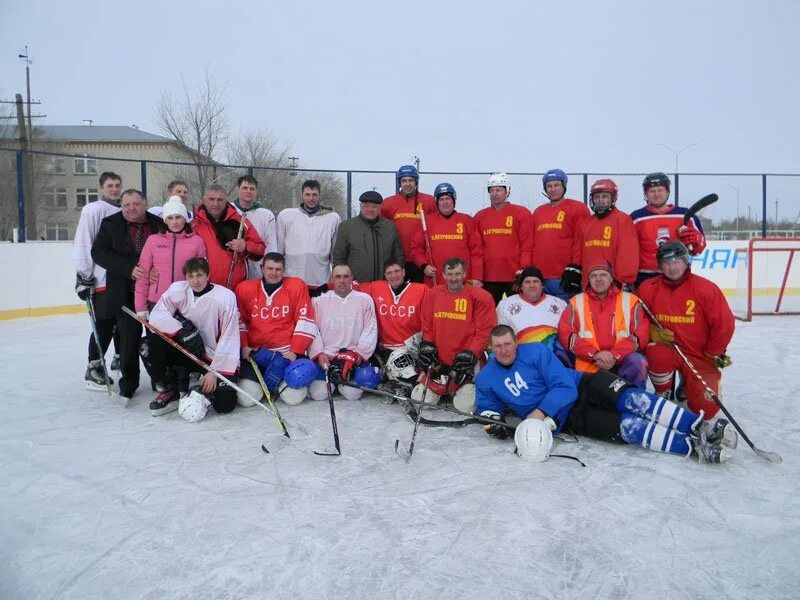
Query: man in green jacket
x,y
366,242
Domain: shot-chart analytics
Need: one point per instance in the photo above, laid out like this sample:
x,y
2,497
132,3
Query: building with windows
x,y
68,163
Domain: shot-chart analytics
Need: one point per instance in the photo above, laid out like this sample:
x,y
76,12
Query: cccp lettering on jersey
x,y
270,312
396,310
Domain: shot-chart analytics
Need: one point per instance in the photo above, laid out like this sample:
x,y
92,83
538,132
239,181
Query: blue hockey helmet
x,y
555,175
406,171
367,376
444,189
300,373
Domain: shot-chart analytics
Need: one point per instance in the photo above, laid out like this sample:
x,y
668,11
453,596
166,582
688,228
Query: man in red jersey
x,y
456,321
696,318
450,234
217,222
505,229
276,327
660,222
404,208
555,238
607,236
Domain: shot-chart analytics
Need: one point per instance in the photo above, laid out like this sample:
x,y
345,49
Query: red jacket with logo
x,y
555,236
404,211
611,238
507,242
450,237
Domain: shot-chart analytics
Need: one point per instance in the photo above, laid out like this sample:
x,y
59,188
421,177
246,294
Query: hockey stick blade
x,y
698,206
334,453
772,457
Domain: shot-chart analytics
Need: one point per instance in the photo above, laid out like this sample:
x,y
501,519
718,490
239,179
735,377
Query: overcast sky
x,y
476,86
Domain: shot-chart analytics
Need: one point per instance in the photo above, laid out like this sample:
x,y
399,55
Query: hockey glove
x,y
463,367
342,365
318,291
689,236
571,279
501,432
84,287
721,360
659,335
188,336
428,356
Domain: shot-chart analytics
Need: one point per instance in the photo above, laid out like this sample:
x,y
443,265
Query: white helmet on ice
x,y
193,407
400,365
534,440
499,180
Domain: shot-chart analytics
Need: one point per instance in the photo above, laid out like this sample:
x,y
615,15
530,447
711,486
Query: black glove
x,y
318,291
342,365
84,287
501,432
428,356
189,337
571,279
463,367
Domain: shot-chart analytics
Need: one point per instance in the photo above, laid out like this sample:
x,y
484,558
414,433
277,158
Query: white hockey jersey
x,y
88,227
347,322
532,322
215,314
307,242
264,221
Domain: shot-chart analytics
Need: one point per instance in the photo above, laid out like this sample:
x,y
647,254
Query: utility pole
x,y
24,144
415,160
26,57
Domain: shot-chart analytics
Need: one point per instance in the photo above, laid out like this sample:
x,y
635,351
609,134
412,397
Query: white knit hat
x,y
174,206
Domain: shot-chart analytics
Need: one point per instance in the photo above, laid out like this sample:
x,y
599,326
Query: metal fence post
x,y
677,189
586,189
764,206
143,164
250,171
21,197
349,193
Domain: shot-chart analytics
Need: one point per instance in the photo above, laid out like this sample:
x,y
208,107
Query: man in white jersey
x,y
91,278
347,334
306,235
261,218
179,189
204,319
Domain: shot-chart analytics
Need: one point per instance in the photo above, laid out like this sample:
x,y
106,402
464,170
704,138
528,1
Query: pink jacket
x,y
167,252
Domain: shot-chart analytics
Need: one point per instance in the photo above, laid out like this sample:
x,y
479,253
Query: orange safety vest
x,y
622,323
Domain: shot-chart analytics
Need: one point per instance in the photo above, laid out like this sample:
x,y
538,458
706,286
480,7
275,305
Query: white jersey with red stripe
x,y
282,321
88,227
215,315
264,221
347,322
399,315
532,322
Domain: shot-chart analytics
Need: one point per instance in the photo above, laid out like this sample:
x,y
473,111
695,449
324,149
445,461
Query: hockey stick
x,y
267,395
236,252
428,252
773,457
696,208
416,422
100,353
194,359
333,422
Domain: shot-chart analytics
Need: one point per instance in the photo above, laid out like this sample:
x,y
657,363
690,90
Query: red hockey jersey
x,y
656,226
404,211
283,321
450,237
612,238
507,243
399,316
458,321
555,238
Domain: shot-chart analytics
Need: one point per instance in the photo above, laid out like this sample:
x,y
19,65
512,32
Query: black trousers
x,y
595,413
130,331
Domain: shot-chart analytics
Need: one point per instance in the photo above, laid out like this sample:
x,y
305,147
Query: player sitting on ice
x,y
276,326
456,320
203,318
347,333
529,381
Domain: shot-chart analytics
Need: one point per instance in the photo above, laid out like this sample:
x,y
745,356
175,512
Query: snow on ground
x,y
99,501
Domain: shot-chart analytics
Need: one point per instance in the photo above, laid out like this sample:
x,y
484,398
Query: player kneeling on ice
x,y
202,318
532,383
276,326
347,334
456,320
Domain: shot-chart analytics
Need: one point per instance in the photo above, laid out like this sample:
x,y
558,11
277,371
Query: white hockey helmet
x,y
400,364
534,440
193,407
499,180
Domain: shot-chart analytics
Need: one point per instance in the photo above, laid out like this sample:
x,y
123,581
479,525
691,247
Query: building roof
x,y
91,133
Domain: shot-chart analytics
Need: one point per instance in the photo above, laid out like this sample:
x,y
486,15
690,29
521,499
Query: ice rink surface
x,y
99,501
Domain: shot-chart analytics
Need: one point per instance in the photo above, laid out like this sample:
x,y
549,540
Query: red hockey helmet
x,y
603,185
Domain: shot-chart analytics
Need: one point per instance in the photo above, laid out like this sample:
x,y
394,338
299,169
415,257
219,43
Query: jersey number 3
x,y
518,384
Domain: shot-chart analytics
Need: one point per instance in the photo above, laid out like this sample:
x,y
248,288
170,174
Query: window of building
x,y
55,197
85,166
56,231
85,195
57,165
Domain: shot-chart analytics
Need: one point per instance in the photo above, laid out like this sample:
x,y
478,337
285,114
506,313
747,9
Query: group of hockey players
x,y
555,320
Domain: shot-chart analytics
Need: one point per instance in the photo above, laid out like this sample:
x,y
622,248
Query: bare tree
x,y
259,150
197,121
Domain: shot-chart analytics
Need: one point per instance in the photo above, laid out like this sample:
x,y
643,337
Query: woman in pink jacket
x,y
167,253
